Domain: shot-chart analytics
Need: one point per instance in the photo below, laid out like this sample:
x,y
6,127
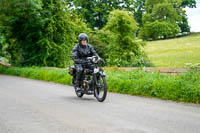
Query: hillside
x,y
174,52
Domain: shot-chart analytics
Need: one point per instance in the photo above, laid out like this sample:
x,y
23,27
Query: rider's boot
x,y
77,86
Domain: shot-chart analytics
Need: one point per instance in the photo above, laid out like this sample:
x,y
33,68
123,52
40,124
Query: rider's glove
x,y
101,61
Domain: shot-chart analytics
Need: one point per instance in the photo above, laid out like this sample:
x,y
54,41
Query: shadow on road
x,y
75,98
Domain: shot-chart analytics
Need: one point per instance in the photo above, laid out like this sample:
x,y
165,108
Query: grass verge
x,y
53,75
183,88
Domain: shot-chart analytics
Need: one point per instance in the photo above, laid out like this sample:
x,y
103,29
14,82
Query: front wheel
x,y
100,90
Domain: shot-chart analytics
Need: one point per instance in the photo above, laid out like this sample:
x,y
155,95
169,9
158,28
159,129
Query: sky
x,y
194,17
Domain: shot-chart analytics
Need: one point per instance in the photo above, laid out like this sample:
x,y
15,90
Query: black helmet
x,y
82,36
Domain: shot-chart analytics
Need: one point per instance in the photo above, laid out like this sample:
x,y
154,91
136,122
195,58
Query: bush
x,y
122,49
96,39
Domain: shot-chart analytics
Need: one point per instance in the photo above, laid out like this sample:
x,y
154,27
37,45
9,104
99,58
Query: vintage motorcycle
x,y
94,79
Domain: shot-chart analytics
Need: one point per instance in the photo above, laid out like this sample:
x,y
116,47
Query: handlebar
x,y
95,59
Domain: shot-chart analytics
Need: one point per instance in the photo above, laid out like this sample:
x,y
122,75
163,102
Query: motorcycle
x,y
94,79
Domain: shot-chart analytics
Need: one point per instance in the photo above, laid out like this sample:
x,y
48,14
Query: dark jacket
x,y
80,53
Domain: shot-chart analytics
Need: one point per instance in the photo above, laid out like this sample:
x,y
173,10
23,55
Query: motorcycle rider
x,y
81,51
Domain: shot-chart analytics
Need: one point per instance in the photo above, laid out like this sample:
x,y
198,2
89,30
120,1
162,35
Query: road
x,y
32,106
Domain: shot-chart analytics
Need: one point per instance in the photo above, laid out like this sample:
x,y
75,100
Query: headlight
x,y
94,60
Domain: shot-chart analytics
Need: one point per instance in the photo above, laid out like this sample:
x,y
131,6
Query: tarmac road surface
x,y
32,106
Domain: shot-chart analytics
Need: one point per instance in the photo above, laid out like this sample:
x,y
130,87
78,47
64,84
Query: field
x,y
174,52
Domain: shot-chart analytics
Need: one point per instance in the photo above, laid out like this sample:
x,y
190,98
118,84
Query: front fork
x,y
95,78
99,73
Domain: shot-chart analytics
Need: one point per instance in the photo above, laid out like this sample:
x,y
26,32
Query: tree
x,y
3,45
139,11
3,3
161,18
124,49
188,3
95,12
2,41
184,24
16,17
39,32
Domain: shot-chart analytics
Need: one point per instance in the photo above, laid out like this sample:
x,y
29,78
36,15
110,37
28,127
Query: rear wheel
x,y
100,90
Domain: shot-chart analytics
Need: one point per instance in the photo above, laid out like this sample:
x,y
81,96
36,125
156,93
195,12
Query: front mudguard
x,y
100,73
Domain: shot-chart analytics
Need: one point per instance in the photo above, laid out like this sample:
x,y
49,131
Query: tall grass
x,y
53,75
183,88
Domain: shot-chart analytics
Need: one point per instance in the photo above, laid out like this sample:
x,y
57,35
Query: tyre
x,y
100,91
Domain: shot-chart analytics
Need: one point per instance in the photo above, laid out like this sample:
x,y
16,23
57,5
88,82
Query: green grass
x,y
175,52
54,75
183,88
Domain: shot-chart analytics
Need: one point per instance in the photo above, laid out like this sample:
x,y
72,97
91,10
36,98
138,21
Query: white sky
x,y
194,17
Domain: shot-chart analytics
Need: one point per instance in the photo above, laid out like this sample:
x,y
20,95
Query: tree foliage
x,y
96,12
2,42
124,49
188,3
40,33
184,26
184,23
139,11
161,18
43,32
